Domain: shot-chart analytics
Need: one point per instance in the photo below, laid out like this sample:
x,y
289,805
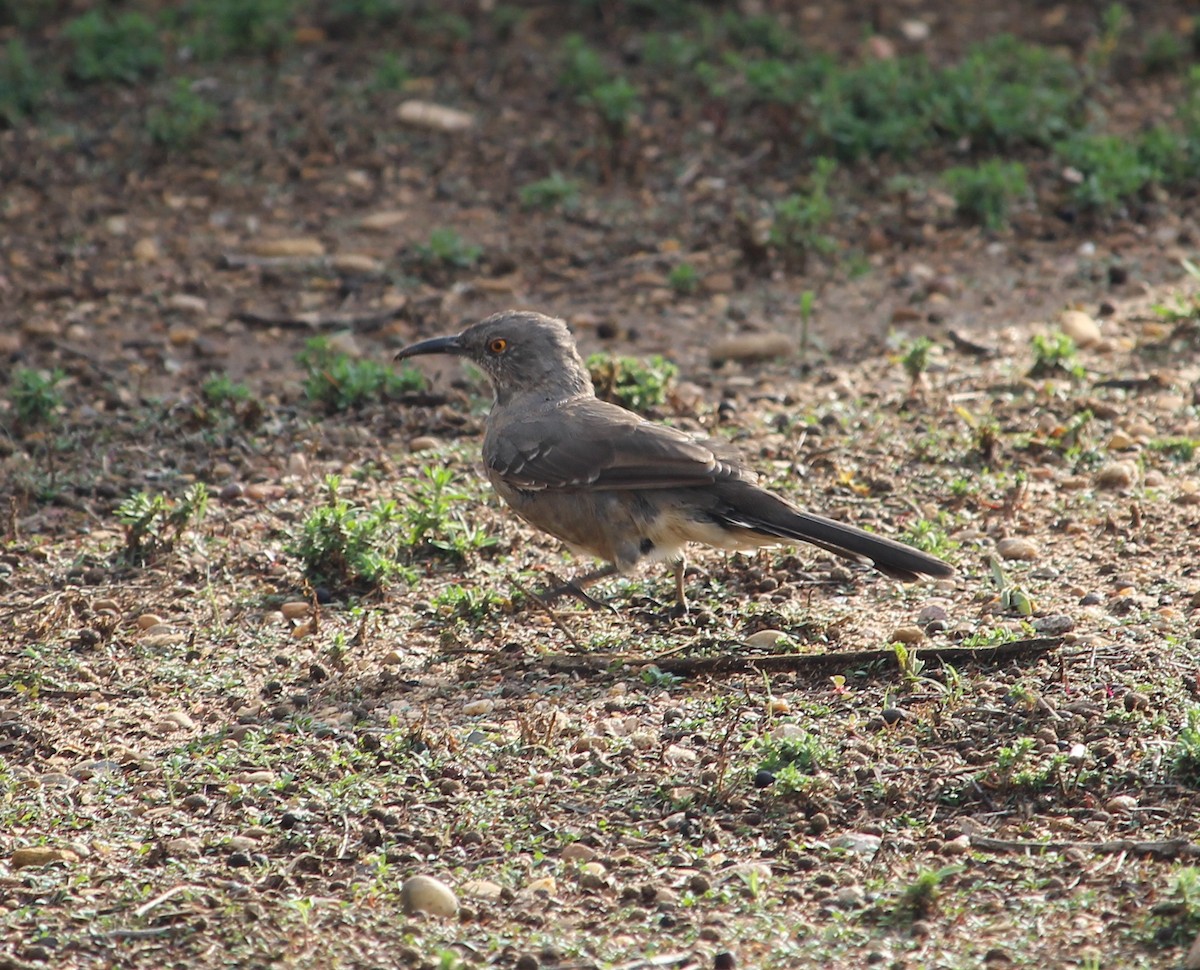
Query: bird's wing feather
x,y
588,443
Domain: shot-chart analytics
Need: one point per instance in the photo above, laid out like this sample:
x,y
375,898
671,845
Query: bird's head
x,y
519,351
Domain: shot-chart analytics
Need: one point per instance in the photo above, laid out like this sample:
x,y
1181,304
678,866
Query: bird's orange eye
x,y
498,346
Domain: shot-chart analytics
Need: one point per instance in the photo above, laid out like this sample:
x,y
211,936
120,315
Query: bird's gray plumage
x,y
609,483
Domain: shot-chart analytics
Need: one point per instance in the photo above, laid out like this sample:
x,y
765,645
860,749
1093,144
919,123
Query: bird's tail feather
x,y
771,516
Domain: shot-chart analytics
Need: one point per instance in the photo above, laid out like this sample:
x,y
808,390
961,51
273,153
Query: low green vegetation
x,y
555,191
1185,753
632,383
181,118
348,547
155,523
340,382
22,85
125,48
35,397
791,761
985,193
446,249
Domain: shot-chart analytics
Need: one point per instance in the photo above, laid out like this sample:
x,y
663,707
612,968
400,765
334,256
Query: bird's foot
x,y
549,596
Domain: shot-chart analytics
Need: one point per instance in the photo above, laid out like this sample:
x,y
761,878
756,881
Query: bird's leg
x,y
575,586
681,603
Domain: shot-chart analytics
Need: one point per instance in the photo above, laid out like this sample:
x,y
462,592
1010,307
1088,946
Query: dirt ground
x,y
205,761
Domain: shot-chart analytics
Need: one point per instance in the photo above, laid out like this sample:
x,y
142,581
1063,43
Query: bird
x,y
609,483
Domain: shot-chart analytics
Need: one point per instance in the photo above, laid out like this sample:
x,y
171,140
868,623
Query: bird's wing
x,y
587,443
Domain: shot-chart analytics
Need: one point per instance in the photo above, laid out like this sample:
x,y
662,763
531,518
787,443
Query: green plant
x,y
182,117
1176,920
1013,598
683,278
984,194
1054,354
929,535
125,49
1179,449
919,898
1006,93
915,358
1111,169
554,191
220,390
653,677
430,521
797,222
35,397
792,759
1163,51
466,602
630,382
446,248
154,523
614,100
391,72
1185,754
22,86
241,27
340,382
345,546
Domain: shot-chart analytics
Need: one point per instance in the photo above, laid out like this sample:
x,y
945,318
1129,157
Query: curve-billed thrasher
x,y
609,483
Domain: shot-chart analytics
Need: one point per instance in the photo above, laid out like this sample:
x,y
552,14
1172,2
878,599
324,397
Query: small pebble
x,y
148,620
1080,327
907,634
767,639
1025,550
1116,475
485,705
1054,625
1121,804
425,442
425,894
578,852
295,609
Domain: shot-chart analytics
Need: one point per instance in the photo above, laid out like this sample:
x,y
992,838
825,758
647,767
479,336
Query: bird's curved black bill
x,y
435,345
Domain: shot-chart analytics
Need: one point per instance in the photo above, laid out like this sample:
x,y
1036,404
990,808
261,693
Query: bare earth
x,y
190,778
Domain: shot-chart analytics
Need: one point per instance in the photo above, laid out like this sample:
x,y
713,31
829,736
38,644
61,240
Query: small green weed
x,y
1185,753
1177,449
340,382
447,249
182,118
1021,767
1013,597
430,520
1175,921
798,222
929,535
390,72
241,27
614,99
22,86
792,760
915,358
125,49
985,194
1054,354
154,523
630,382
919,898
36,397
555,191
347,547
1111,170
653,677
467,603
684,279
222,391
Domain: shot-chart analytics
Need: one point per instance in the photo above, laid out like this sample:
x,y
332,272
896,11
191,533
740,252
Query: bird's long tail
x,y
761,512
